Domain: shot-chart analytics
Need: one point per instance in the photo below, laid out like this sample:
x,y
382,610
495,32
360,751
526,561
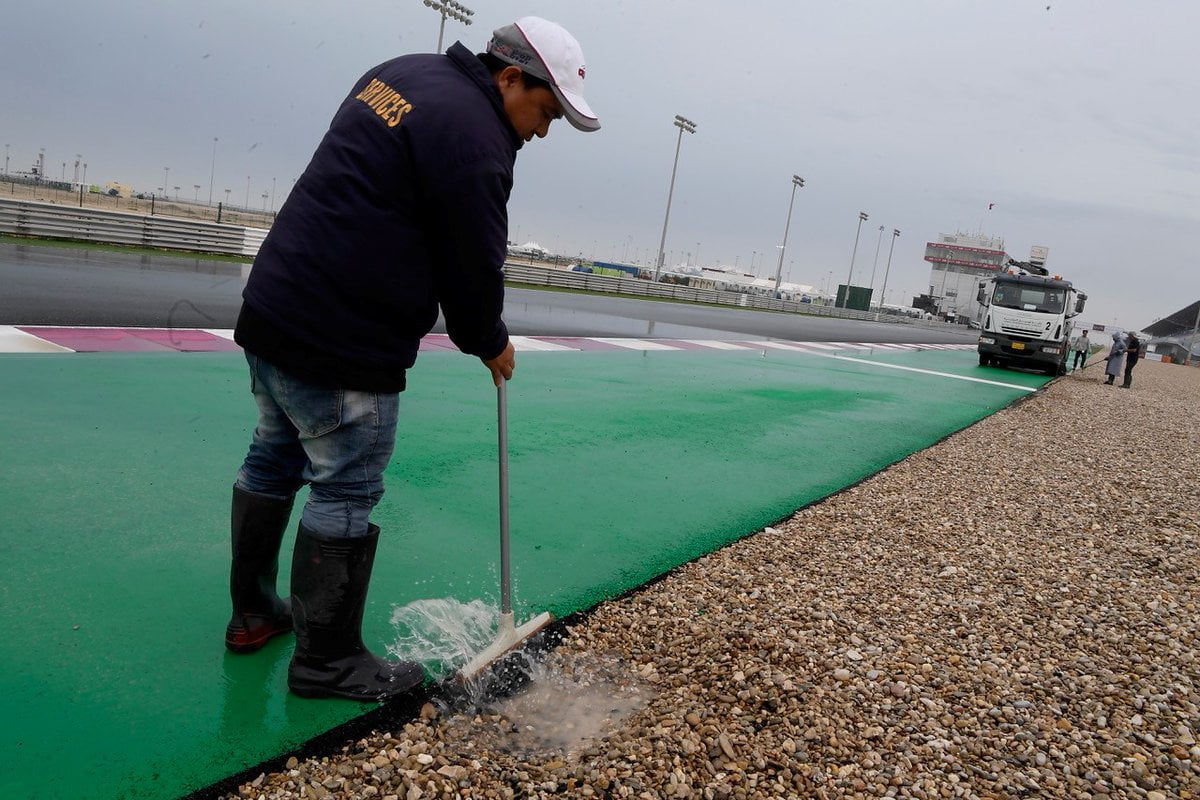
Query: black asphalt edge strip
x,y
403,710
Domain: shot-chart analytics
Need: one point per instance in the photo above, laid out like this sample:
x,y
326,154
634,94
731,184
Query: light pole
x,y
265,195
1187,362
6,158
227,191
272,195
166,180
862,217
176,192
212,171
875,263
247,206
883,292
196,195
684,124
77,157
797,183
449,8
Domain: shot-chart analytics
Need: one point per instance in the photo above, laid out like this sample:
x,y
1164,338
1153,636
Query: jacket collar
x,y
470,64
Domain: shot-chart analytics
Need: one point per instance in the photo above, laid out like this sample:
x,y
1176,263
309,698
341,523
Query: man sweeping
x,y
402,210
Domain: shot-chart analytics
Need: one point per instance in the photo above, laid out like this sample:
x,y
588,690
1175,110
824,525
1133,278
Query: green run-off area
x,y
115,494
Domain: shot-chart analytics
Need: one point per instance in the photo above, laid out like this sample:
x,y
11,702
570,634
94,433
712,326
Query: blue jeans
x,y
336,440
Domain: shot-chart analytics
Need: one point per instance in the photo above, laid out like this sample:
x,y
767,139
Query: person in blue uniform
x,y
402,211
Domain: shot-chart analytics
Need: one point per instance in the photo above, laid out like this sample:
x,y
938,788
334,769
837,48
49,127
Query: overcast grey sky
x,y
1078,119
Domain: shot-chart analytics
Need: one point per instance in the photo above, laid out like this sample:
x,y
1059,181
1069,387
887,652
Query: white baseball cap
x,y
546,50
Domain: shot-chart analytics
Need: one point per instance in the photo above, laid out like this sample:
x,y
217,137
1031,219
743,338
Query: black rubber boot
x,y
1110,380
330,577
257,522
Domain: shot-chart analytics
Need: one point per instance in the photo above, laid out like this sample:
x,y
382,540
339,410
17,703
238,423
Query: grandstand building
x,y
959,262
1175,336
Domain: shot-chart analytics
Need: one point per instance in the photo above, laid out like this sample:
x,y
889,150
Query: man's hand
x,y
502,366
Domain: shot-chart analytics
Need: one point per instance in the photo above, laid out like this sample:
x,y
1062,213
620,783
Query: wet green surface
x,y
114,537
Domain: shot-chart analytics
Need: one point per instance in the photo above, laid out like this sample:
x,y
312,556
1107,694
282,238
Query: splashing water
x,y
442,634
571,702
564,704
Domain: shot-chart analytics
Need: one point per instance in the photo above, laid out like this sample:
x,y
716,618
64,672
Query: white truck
x,y
1026,319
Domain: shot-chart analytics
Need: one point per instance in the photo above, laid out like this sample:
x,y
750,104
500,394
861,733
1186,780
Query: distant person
x,y
1115,357
401,211
1081,346
1133,351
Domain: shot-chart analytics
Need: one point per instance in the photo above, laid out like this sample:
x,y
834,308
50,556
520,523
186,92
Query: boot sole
x,y
241,646
321,692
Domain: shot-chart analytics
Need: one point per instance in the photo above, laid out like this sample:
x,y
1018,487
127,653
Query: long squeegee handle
x,y
502,428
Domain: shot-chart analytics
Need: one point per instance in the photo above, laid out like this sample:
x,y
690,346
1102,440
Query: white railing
x,y
51,221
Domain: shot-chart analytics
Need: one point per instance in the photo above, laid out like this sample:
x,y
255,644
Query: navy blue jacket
x,y
403,208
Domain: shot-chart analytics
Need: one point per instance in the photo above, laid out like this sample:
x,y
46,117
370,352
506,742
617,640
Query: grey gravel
x,y
1010,613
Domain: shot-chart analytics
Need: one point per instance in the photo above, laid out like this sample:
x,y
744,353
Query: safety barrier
x,y
51,221
566,279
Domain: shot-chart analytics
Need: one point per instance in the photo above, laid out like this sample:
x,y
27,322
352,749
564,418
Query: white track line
x,y
635,344
524,344
716,344
932,372
792,348
866,362
15,340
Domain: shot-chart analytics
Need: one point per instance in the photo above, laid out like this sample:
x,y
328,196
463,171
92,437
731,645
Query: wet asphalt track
x,y
46,285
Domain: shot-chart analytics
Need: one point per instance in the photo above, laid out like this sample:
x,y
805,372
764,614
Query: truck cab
x,y
1026,321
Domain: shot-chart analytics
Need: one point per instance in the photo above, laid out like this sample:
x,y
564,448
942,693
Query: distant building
x,y
1174,335
730,279
960,261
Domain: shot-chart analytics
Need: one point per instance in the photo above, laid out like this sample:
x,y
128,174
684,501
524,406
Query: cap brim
x,y
576,110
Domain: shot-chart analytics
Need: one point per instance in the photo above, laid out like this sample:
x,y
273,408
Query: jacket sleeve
x,y
472,217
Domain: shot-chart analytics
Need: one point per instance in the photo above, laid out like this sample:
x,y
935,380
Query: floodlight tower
x,y
211,172
797,183
883,291
684,124
862,217
875,263
451,9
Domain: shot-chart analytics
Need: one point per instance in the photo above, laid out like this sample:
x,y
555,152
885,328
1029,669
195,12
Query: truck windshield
x,y
1046,299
